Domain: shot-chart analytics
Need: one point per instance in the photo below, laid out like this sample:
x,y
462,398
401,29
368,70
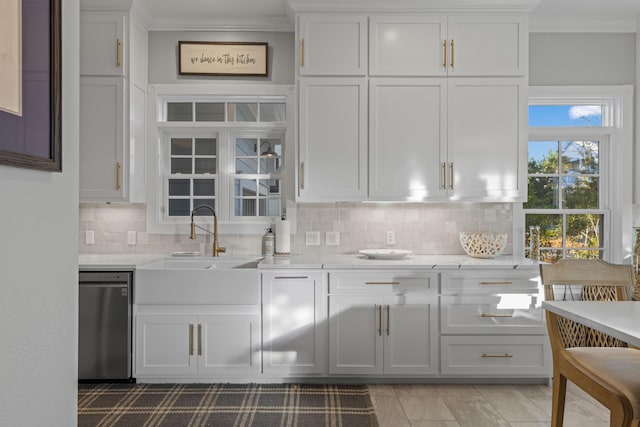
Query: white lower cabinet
x,y
211,342
294,323
393,333
492,325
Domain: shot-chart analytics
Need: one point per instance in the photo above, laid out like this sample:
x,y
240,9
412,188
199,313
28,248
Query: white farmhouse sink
x,y
200,280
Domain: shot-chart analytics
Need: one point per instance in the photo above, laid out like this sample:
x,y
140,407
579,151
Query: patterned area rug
x,y
233,405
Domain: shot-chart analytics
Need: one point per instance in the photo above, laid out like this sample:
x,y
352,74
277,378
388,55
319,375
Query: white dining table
x,y
619,319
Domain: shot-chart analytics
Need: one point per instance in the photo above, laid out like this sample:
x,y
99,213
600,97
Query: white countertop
x,y
88,262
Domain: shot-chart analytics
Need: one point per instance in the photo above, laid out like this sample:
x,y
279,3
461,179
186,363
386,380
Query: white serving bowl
x,y
483,245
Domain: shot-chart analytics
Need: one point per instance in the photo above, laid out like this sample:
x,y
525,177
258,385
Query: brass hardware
x,y
444,50
444,176
497,356
388,320
379,320
199,339
190,339
118,48
451,175
495,315
452,54
302,53
291,277
381,283
118,175
496,283
302,175
217,250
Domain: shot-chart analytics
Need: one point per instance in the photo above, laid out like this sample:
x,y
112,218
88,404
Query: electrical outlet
x,y
313,238
89,237
391,238
332,238
131,238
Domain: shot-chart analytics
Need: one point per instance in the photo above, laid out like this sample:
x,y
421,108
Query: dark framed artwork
x,y
223,58
34,138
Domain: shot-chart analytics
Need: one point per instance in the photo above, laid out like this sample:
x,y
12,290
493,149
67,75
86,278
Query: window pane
x,y
205,165
244,207
272,112
584,231
270,207
181,166
580,192
270,165
244,187
179,187
543,157
543,193
205,146
550,229
203,202
210,111
179,112
180,146
246,112
246,165
179,207
204,187
580,157
565,115
550,255
246,146
590,254
269,187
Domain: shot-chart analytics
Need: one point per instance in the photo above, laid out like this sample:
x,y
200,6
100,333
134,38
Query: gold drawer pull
x,y
496,283
379,320
497,356
290,277
199,340
302,53
382,283
388,320
118,48
444,176
495,315
190,340
444,49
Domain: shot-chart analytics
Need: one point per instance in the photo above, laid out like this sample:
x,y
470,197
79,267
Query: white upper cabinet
x,y
102,44
332,44
333,139
457,45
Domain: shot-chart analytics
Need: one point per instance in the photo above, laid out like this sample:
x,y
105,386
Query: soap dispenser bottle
x,y
268,242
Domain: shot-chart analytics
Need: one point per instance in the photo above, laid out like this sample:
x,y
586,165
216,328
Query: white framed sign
x,y
223,58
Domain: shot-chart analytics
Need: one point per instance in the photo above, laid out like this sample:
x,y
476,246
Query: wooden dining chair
x,y
600,365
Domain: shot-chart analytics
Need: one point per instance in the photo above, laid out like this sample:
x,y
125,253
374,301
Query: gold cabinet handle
x,y
190,339
118,168
452,54
291,277
444,176
496,283
451,175
382,283
495,315
118,49
444,50
497,356
199,339
302,52
388,320
302,175
379,320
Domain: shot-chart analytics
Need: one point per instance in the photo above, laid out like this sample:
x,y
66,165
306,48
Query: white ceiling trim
x,y
278,24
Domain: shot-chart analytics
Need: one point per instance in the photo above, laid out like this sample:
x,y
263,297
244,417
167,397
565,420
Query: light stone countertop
x,y
89,262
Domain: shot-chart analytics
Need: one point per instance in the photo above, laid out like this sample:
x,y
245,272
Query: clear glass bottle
x,y
268,243
534,242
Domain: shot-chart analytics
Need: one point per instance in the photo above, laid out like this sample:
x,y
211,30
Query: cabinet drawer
x,y
493,281
496,355
491,314
382,282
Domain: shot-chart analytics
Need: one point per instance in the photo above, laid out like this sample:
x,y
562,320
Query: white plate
x,y
385,253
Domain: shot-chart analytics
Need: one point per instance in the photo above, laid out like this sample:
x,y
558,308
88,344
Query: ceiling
x,y
275,15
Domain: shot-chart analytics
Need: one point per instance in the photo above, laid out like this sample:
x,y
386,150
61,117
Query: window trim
x,y
157,130
617,127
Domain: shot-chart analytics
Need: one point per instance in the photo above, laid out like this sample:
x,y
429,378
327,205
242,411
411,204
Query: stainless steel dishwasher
x,y
104,338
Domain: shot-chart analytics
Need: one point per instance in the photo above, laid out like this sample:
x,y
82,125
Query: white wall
x,y
163,56
582,59
39,271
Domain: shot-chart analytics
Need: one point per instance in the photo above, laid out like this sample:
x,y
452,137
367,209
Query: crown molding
x,y
372,6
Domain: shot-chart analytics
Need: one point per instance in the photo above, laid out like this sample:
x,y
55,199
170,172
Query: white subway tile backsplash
x,y
423,228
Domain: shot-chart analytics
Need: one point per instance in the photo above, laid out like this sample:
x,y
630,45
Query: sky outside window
x,y
565,115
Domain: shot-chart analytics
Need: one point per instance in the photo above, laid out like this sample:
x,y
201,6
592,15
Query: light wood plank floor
x,y
453,405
